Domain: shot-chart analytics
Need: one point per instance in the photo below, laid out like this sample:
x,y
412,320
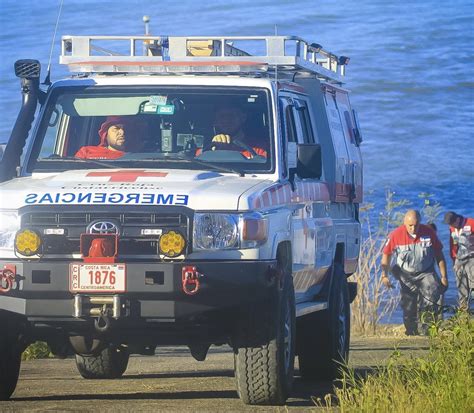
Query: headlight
x,y
9,225
214,231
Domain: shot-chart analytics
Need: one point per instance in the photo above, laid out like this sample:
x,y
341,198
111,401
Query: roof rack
x,y
201,55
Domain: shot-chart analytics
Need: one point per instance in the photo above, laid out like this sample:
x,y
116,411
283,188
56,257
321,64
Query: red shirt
x,y
401,237
467,228
413,254
98,152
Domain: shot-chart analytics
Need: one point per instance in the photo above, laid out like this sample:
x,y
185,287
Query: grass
x,y
440,382
37,350
373,301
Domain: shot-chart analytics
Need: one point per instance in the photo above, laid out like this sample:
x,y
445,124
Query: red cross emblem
x,y
127,175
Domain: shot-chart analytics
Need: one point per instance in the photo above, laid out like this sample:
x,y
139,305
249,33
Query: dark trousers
x,y
464,270
420,293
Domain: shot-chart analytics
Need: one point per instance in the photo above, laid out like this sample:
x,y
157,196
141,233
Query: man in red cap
x,y
461,243
112,140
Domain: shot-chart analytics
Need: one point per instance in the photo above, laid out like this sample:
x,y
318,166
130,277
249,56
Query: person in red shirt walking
x,y
461,243
113,140
416,249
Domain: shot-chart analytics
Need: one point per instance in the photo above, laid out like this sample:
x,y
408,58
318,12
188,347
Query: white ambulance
x,y
189,191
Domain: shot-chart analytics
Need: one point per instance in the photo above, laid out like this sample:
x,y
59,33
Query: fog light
x,y
27,242
172,244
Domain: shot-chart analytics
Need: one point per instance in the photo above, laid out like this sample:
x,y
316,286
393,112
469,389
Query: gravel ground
x,y
173,381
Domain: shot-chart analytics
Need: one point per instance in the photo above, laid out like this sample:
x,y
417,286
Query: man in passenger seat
x,y
114,135
229,124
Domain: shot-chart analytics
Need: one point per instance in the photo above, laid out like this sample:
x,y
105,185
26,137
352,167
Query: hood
x,y
199,190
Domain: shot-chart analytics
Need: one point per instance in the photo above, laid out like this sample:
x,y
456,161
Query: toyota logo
x,y
103,227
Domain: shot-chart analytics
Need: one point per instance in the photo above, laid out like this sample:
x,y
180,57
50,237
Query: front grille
x,y
131,241
84,219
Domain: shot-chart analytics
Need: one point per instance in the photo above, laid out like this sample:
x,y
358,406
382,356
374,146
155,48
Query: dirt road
x,y
174,381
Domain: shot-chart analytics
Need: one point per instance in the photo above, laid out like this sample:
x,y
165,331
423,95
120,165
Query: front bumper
x,y
153,290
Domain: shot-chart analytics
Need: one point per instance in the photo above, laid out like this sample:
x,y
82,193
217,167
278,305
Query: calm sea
x,y
411,73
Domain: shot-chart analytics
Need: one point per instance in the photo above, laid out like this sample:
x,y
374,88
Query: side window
x,y
290,124
350,127
336,125
353,127
50,143
305,121
289,133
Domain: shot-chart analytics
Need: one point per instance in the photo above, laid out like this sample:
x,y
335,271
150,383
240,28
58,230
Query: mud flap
x,y
352,289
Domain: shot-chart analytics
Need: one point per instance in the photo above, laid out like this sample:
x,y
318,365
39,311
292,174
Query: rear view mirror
x,y
309,161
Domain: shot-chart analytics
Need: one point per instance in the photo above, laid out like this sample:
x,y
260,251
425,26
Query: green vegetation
x,y
38,350
440,382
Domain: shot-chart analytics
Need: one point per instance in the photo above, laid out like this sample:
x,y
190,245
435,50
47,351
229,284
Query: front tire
x,y
10,356
265,351
323,337
110,363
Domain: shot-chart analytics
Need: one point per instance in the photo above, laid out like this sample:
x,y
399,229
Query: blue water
x,y
411,73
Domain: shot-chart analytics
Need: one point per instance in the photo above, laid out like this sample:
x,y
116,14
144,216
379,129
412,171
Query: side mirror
x,y
310,163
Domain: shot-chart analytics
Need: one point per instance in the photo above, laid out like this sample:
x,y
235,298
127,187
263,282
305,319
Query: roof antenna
x,y
146,43
276,66
146,20
47,80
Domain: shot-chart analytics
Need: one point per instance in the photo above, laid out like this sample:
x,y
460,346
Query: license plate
x,y
97,278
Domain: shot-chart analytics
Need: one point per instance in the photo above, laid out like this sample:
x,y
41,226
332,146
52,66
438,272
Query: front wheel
x,y
323,337
110,363
10,356
265,350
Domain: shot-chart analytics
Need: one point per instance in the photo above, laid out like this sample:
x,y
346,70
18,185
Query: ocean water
x,y
411,74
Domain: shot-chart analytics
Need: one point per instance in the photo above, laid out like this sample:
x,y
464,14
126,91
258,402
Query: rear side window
x,y
350,127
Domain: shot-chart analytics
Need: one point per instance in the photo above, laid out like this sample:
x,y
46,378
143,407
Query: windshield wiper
x,y
80,160
206,165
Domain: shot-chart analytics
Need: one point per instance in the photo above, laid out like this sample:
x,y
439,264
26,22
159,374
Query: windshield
x,y
225,129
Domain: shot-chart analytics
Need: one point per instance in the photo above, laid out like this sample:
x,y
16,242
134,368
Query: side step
x,y
310,307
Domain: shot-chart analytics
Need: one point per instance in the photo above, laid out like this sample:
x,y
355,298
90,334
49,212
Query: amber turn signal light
x,y
172,244
27,242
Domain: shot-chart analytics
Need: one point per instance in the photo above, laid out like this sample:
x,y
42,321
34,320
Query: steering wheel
x,y
235,144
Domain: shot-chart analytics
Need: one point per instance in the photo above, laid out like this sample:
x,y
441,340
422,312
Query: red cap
x,y
111,120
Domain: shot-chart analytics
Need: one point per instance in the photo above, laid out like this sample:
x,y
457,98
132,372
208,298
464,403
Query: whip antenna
x,y
276,66
47,80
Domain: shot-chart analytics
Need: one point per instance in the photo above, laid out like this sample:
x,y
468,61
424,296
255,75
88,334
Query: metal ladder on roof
x,y
201,55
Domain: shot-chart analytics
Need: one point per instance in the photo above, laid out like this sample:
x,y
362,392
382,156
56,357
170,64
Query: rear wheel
x,y
110,363
323,337
10,356
265,350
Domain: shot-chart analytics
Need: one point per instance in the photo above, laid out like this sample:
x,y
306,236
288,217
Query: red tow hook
x,y
190,277
7,277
